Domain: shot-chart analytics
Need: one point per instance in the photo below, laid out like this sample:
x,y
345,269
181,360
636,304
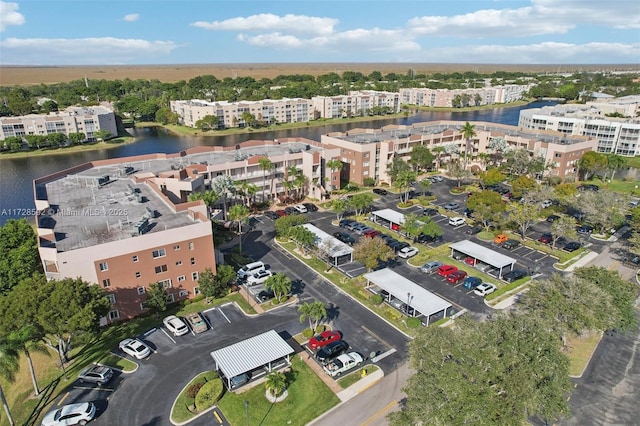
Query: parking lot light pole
x,y
246,410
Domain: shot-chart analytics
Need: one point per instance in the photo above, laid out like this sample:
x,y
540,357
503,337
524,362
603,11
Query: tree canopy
x,y
20,258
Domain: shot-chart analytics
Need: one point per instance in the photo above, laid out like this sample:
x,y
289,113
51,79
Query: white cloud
x,y
619,14
104,50
132,17
9,15
296,24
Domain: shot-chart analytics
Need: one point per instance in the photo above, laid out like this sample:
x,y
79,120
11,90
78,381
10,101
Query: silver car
x,y
431,267
97,374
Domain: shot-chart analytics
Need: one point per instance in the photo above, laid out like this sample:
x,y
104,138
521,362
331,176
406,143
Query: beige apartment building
x,y
366,153
87,120
444,98
356,103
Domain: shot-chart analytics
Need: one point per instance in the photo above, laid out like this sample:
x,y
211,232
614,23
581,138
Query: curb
x,y
197,415
588,360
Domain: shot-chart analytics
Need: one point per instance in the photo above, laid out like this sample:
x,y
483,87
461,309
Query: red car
x,y
372,233
323,339
281,213
470,261
445,270
546,238
456,277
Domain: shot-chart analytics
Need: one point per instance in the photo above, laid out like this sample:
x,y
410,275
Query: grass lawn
x,y
92,146
581,349
308,398
352,378
119,363
180,411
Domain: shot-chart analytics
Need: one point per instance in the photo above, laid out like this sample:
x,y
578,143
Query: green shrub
x,y
376,299
198,298
208,394
413,322
307,332
368,181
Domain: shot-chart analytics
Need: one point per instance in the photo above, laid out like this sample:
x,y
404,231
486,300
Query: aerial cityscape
x,y
239,213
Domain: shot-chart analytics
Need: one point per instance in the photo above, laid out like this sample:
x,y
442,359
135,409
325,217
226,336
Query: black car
x,y
331,351
430,212
572,246
584,229
290,211
589,187
344,222
400,246
514,275
510,244
467,212
271,214
552,218
344,237
310,207
392,242
472,230
380,191
265,295
427,239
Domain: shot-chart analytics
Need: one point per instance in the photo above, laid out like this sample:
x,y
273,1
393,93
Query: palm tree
x,y
314,312
28,339
468,131
279,284
615,162
300,181
9,366
438,151
292,172
221,186
334,164
276,383
266,165
239,213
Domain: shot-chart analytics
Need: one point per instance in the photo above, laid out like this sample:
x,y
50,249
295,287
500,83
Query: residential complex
x,y
356,103
366,153
618,134
87,120
476,97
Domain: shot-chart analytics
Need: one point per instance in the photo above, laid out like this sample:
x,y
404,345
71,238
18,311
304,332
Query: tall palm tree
x,y
334,164
292,172
468,131
615,162
279,284
239,213
28,339
9,366
266,166
314,312
276,383
438,151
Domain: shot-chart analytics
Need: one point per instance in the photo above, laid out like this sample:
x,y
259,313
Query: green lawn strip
x,y
181,411
580,350
91,146
120,363
308,397
507,288
354,377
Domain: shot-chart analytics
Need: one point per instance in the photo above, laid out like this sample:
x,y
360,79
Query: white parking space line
x,y
167,334
225,317
204,317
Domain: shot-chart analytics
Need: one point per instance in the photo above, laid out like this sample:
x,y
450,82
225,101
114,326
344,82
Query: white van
x,y
250,269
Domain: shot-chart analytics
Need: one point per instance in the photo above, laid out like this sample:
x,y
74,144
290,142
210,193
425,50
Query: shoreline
x,y
70,150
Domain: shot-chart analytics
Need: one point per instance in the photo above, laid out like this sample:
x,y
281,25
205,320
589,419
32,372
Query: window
x,y
114,315
165,283
194,276
558,155
181,278
159,253
106,283
104,266
160,269
179,262
135,259
183,293
143,306
176,247
191,246
141,291
111,298
170,298
196,290
193,260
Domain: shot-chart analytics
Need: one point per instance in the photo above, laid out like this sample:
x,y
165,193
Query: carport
x,y
418,298
336,250
483,254
388,218
262,350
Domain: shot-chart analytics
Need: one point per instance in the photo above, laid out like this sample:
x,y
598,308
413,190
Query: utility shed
x,y
262,350
484,255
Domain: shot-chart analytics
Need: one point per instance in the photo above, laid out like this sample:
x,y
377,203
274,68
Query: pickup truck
x,y
343,363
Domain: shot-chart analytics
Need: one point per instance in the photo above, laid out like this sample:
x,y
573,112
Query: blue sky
x,y
95,32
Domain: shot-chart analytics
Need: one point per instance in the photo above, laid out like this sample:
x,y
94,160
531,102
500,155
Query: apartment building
x,y
366,153
230,113
85,120
615,135
356,103
477,96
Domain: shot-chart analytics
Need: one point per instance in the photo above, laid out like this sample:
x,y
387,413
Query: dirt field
x,y
10,75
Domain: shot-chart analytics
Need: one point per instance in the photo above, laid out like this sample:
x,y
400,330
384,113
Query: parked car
x,y
310,207
485,289
584,229
259,277
97,374
471,282
514,275
300,208
401,245
510,244
456,221
437,178
175,325
427,239
196,322
271,215
344,237
361,229
249,269
546,203
331,351
323,339
72,414
445,270
396,303
380,191
552,218
239,380
588,187
430,212
431,267
571,246
407,252
392,242
290,210
344,222
471,261
135,348
456,277
371,233
281,213
546,238
451,206
265,295
500,238
472,230
343,363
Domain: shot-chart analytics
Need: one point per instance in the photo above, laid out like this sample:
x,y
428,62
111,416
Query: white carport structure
x,y
263,350
418,298
388,217
335,249
483,254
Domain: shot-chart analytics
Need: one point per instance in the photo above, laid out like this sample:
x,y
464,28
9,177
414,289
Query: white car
x,y
135,348
175,325
456,221
72,414
259,277
300,208
484,289
408,252
546,203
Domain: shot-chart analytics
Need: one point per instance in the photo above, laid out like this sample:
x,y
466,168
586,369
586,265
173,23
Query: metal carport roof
x,y
483,254
390,215
251,353
422,300
336,247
